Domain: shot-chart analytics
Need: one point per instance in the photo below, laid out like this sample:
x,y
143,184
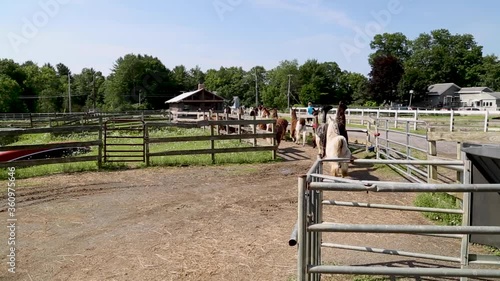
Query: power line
x,y
50,97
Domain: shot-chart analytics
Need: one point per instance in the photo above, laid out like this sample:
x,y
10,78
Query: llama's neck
x,y
333,129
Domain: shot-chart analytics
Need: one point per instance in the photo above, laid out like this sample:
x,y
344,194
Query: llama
x,y
281,126
300,130
264,113
321,130
337,145
294,124
274,115
341,120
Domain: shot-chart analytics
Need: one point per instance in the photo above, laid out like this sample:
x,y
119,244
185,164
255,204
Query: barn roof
x,y
188,94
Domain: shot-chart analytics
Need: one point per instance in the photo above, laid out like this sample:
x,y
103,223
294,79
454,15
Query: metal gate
x,y
124,140
310,225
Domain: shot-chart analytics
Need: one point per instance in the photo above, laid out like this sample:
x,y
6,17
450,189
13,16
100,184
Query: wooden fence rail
x,y
100,143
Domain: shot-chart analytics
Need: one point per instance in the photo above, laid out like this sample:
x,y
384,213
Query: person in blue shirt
x,y
310,108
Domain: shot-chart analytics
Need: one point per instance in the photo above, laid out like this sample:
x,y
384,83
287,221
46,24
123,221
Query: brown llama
x,y
341,120
294,124
264,114
274,115
281,126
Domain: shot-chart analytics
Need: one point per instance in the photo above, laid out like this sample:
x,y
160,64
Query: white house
x,y
482,98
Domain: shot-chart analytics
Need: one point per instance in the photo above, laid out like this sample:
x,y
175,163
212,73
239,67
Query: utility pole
x,y
256,90
289,76
93,88
69,92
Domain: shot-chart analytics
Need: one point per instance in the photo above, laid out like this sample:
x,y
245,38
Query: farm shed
x,y
194,100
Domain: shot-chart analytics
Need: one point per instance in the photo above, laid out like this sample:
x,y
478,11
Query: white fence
x,y
449,120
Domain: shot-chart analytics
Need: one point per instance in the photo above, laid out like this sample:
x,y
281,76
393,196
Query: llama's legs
x,y
304,138
320,147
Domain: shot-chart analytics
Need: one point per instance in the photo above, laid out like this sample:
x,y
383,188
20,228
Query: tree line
x,y
138,81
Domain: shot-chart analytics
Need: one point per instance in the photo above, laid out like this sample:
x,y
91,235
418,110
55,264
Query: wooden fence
x,y
103,143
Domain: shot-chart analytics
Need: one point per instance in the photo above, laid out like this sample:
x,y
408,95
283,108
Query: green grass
x,y
136,144
439,200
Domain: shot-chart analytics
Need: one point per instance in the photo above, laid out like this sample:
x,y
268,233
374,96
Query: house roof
x,y
438,89
495,94
188,94
480,96
472,90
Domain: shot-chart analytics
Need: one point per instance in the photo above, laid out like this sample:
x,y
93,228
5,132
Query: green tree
x,y
385,75
357,87
256,77
9,95
490,73
227,82
195,76
440,57
275,93
138,81
391,44
51,94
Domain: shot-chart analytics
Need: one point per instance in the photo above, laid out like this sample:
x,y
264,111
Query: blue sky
x,y
215,33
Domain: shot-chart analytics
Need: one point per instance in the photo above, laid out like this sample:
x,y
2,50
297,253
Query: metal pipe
x,y
453,236
411,162
370,270
293,238
404,187
302,231
391,252
407,229
313,169
391,207
333,186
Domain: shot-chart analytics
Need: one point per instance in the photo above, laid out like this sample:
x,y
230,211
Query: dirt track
x,y
194,223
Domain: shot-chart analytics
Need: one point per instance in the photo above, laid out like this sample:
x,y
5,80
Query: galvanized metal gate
x,y
310,225
124,140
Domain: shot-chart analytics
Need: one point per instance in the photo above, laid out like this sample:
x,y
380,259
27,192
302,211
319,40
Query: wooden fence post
x,y
416,119
459,157
239,126
273,130
254,131
212,143
396,120
452,120
100,148
146,143
486,116
432,170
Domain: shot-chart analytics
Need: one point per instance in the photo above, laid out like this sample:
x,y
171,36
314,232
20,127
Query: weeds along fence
x,y
312,231
129,140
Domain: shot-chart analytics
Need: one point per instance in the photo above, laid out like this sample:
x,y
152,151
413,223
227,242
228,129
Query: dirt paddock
x,y
193,223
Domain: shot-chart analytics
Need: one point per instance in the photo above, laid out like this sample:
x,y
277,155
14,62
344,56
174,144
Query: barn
x,y
201,99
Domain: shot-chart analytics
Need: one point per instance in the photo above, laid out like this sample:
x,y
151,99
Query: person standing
x,y
310,108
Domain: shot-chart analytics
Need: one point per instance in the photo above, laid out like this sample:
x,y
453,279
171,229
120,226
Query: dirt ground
x,y
194,223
